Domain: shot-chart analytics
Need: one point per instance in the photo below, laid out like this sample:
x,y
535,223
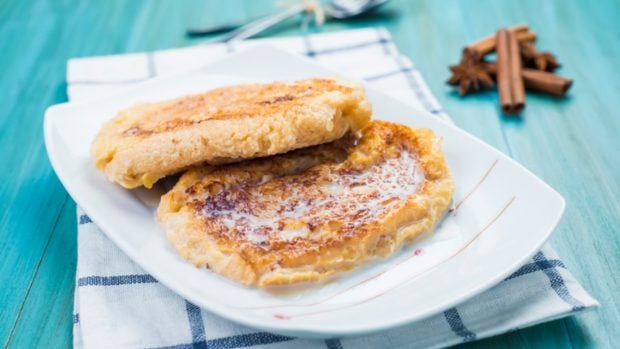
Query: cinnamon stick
x,y
509,80
538,80
488,44
528,36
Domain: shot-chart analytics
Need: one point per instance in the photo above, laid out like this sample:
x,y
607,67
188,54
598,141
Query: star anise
x,y
470,75
544,61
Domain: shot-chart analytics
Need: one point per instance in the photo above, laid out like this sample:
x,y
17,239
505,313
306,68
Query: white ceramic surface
x,y
502,215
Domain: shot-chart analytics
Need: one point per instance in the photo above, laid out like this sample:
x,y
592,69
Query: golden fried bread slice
x,y
149,141
307,214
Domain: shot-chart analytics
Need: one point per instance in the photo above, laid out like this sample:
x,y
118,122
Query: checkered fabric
x,y
119,305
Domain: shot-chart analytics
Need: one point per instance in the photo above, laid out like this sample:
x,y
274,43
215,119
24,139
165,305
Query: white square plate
x,y
502,215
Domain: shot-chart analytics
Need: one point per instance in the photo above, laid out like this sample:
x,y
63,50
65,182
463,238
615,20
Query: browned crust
x,y
338,248
149,141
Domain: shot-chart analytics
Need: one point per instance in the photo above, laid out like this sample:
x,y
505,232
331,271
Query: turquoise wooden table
x,y
571,143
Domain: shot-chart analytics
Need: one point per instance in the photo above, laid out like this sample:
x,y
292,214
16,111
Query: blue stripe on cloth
x,y
350,47
534,267
246,340
85,219
411,79
76,318
237,341
557,282
414,85
178,346
388,74
308,45
384,41
333,343
456,324
116,280
196,325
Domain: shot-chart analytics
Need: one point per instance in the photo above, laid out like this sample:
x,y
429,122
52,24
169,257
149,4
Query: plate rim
x,y
52,113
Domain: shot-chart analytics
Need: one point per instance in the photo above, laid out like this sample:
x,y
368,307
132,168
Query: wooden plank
x,y
46,316
29,190
30,195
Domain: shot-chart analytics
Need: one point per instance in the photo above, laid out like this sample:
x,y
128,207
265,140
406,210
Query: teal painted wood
x,y
50,300
571,143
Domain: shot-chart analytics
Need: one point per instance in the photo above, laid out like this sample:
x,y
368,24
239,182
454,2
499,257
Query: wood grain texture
x,y
571,143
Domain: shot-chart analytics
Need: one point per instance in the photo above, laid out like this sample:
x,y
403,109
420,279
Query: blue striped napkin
x,y
118,305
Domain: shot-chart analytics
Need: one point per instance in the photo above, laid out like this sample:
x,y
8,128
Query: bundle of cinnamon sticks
x,y
519,66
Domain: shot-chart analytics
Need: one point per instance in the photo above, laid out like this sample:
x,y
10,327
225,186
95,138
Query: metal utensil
x,y
219,28
336,9
341,9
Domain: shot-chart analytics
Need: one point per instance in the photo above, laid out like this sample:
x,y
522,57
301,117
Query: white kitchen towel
x,y
119,305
